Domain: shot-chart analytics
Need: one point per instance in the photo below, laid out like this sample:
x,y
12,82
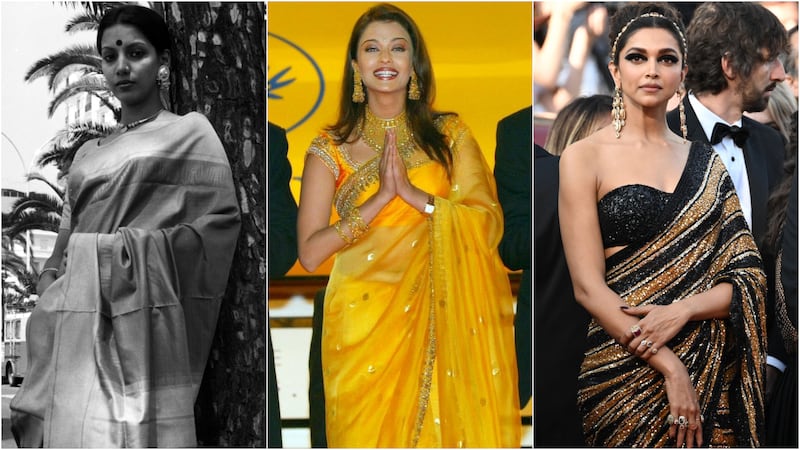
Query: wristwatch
x,y
429,206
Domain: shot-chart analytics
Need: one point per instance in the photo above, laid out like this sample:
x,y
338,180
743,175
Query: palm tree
x,y
225,79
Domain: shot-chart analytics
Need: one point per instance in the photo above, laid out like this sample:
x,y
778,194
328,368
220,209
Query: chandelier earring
x,y
162,79
413,87
618,112
358,88
682,113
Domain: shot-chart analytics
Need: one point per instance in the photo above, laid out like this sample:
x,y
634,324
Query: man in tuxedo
x,y
734,63
282,234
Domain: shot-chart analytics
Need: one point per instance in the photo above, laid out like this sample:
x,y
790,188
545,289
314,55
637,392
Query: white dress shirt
x,y
732,156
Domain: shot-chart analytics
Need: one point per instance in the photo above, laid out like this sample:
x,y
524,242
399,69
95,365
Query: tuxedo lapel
x,y
757,176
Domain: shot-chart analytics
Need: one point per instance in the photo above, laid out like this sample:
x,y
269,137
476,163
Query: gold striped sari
x,y
699,240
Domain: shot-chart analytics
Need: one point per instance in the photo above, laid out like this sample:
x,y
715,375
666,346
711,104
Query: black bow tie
x,y
739,135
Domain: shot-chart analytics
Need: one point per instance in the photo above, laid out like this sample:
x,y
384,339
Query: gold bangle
x,y
357,225
338,226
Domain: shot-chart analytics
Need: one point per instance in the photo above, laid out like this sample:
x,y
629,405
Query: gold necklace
x,y
372,130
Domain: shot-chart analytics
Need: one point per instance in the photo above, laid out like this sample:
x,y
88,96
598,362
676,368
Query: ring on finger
x,y
654,350
636,330
649,344
644,342
670,419
682,421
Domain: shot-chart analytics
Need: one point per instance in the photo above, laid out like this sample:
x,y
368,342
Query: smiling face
x,y
650,67
130,65
384,59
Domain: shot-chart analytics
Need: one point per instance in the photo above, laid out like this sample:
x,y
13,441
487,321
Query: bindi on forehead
x,y
119,43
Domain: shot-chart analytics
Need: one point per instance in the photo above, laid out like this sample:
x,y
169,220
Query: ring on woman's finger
x,y
670,419
654,350
644,342
649,344
682,421
636,331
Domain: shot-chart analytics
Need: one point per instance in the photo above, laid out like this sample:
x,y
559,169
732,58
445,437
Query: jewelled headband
x,y
650,14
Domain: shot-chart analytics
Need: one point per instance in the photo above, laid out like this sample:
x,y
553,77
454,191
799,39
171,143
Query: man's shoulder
x,y
524,115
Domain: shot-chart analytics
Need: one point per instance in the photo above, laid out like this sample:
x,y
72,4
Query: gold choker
x,y
372,130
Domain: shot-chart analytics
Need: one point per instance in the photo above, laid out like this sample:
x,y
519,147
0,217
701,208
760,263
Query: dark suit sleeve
x,y
282,206
512,172
789,258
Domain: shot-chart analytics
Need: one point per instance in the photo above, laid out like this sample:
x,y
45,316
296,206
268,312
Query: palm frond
x,y
35,201
32,220
35,176
62,147
90,83
83,22
81,57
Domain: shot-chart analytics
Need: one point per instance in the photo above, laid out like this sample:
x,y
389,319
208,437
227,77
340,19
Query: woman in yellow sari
x,y
418,343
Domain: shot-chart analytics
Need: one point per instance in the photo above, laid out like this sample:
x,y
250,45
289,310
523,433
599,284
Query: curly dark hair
x,y
420,112
740,30
632,17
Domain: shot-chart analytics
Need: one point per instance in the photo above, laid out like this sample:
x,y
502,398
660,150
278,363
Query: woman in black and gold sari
x,y
662,258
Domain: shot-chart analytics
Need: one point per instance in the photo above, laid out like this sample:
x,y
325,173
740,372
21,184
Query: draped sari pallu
x,y
418,344
118,343
699,240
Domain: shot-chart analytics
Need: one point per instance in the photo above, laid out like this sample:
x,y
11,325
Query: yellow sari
x,y
418,342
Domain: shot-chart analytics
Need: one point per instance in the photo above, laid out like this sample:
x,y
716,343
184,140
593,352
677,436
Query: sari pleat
x,y
118,343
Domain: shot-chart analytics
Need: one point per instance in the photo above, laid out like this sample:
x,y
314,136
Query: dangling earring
x,y
682,113
162,79
413,87
618,112
358,90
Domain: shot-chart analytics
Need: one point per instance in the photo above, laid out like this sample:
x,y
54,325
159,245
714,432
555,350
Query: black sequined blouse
x,y
628,213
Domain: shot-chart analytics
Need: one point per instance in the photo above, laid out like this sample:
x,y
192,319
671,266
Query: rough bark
x,y
219,69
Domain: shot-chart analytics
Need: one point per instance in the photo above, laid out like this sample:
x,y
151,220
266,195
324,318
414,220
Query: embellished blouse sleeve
x,y
321,148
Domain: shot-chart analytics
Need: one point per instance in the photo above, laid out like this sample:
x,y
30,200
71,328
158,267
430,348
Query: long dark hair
x,y
147,21
777,203
420,113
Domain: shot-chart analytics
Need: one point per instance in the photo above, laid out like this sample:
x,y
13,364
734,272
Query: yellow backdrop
x,y
481,55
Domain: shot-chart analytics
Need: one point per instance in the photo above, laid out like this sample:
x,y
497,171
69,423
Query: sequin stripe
x,y
354,185
679,242
685,217
788,330
321,148
430,351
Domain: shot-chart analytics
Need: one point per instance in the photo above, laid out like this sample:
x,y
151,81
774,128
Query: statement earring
x,y
682,113
618,112
358,89
413,87
162,79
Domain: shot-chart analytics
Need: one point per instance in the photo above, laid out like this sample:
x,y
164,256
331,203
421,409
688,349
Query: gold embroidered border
x,y
430,352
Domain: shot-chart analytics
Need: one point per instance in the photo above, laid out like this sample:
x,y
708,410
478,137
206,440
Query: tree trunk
x,y
219,69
